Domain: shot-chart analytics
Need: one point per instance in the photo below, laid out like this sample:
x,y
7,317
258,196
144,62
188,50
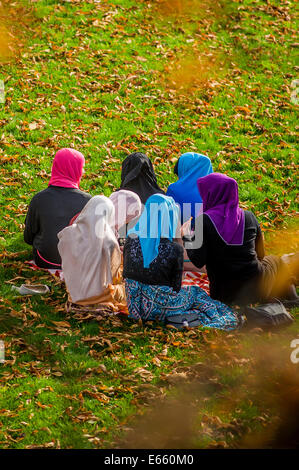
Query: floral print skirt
x,y
157,303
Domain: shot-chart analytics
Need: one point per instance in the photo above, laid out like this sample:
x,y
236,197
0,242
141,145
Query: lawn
x,y
109,78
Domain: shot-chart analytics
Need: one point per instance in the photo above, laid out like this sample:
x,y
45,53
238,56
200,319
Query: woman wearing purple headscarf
x,y
232,247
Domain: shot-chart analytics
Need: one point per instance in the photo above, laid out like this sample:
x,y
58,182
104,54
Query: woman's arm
x,y
259,243
197,256
178,269
31,223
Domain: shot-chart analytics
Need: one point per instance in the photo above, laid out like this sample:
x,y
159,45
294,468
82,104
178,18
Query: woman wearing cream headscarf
x,y
127,207
91,259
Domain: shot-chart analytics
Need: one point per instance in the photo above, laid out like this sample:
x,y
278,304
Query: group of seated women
x,y
130,250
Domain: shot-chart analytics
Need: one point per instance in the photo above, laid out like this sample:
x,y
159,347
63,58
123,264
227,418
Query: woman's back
x,y
90,252
166,269
229,266
52,209
49,212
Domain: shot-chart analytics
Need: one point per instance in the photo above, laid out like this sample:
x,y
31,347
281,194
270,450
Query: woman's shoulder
x,y
132,252
82,194
43,194
171,246
48,195
178,248
206,221
131,241
171,189
250,218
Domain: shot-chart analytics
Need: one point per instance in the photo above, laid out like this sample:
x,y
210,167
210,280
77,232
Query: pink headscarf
x,y
67,168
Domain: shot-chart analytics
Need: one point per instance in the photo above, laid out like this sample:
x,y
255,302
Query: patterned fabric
x,y
194,278
157,303
88,312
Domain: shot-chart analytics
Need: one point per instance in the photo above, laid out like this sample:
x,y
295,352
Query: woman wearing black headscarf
x,y
138,175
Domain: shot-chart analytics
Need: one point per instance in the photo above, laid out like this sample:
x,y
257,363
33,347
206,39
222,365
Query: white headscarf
x,y
127,207
89,250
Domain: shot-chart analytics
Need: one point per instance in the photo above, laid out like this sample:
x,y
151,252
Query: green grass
x,y
100,77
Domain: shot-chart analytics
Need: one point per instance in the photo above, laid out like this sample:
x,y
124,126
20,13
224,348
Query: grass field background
x,y
109,78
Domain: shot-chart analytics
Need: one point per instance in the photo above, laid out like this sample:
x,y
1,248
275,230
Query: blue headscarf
x,y
190,167
159,219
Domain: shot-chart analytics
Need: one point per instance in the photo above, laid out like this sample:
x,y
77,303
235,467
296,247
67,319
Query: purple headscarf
x,y
220,199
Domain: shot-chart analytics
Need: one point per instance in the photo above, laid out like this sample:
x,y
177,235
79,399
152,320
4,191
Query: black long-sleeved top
x,y
49,212
165,270
233,270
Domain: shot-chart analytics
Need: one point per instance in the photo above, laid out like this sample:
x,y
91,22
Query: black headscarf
x,y
138,175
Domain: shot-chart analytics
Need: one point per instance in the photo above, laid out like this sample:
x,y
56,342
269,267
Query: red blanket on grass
x,y
192,278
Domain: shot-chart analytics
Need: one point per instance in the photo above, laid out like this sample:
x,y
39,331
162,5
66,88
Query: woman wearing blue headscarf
x,y
153,268
151,254
189,167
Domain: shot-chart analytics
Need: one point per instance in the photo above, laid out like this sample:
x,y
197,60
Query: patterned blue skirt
x,y
157,303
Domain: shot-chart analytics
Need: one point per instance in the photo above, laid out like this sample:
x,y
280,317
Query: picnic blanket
x,y
193,278
190,278
54,272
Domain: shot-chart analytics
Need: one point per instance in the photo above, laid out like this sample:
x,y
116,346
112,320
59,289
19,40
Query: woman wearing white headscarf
x,y
91,258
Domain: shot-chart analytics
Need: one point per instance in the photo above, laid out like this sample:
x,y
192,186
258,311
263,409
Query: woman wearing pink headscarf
x,y
52,209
